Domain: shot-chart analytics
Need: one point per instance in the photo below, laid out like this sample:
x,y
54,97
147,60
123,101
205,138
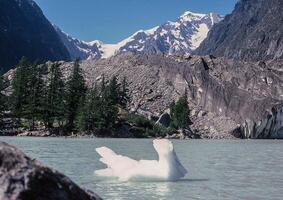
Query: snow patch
x,y
199,36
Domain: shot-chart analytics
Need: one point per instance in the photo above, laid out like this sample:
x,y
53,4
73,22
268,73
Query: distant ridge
x,y
253,32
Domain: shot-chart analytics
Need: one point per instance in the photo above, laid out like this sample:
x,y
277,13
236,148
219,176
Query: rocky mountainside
x,y
78,48
253,31
24,31
223,94
175,38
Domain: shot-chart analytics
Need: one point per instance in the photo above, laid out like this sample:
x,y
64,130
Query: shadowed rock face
x,y
22,178
24,31
229,90
269,127
253,31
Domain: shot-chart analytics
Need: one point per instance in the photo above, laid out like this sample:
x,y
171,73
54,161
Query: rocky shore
x,y
180,134
23,178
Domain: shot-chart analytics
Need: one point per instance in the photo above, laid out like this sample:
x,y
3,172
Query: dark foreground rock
x,y
22,178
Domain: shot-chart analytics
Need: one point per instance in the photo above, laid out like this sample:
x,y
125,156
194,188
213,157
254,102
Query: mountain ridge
x,y
25,31
179,37
252,32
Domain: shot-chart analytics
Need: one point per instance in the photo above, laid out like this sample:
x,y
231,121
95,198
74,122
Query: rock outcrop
x,y
270,127
252,32
232,91
22,178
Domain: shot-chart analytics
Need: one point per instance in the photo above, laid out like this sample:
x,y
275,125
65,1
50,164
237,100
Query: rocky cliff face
x,y
270,126
24,31
22,178
222,93
253,31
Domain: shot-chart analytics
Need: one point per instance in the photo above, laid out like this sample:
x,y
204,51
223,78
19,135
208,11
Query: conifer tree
x,y
20,85
55,93
35,95
107,106
180,113
124,93
88,115
113,91
83,114
76,89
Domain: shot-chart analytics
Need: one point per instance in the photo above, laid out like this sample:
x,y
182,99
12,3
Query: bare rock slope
x,y
225,92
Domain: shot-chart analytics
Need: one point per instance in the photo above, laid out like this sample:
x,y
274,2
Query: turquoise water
x,y
218,169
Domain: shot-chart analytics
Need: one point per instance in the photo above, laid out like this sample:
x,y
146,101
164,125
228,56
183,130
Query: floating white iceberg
x,y
166,168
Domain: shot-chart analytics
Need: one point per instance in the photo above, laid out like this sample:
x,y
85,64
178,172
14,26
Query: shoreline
x,y
178,135
96,137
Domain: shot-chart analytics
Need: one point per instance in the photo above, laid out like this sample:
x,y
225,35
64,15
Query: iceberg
x,y
166,168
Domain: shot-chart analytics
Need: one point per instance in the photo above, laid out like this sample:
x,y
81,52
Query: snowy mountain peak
x,y
190,16
179,37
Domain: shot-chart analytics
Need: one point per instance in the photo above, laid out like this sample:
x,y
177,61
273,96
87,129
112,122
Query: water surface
x,y
218,169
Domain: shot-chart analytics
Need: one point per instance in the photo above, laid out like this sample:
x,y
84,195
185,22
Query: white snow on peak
x,y
190,16
95,42
108,50
193,14
151,31
200,35
173,37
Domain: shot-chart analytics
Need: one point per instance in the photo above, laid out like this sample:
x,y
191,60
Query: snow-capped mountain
x,y
180,37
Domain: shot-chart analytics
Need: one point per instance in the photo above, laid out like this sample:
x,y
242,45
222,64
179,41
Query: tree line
x,y
40,95
43,97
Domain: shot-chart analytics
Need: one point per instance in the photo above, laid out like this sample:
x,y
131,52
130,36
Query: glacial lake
x,y
217,169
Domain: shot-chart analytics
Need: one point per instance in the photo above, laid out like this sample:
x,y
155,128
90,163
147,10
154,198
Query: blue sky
x,y
113,20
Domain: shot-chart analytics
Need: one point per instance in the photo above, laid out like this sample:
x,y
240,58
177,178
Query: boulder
x,y
22,178
164,120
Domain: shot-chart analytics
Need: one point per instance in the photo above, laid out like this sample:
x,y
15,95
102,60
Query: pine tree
x,y
88,114
124,93
107,106
35,95
103,85
180,113
113,91
54,98
83,114
76,89
20,85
